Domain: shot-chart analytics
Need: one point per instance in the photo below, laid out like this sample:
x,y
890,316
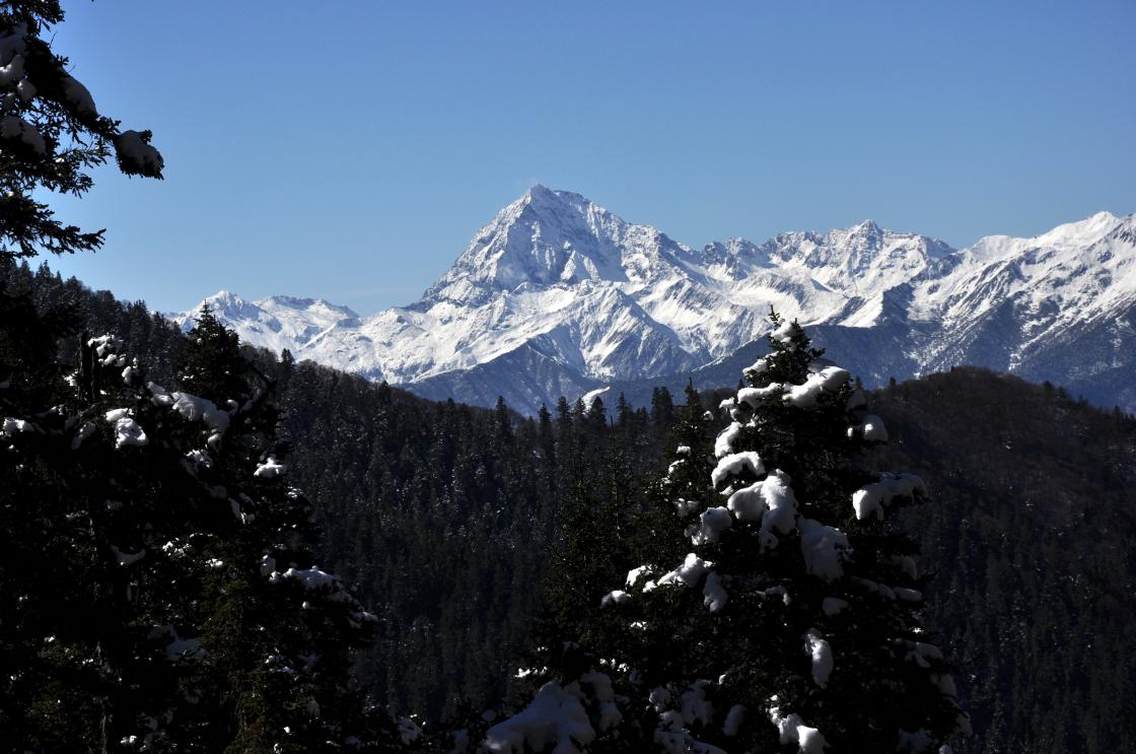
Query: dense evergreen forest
x,y
1030,537
451,522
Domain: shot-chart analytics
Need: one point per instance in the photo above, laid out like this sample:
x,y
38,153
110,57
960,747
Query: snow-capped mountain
x,y
276,322
558,296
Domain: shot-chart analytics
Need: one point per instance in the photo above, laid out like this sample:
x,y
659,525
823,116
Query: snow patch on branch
x,y
758,367
672,734
192,408
827,380
638,573
15,128
821,654
616,597
11,426
126,430
873,498
78,96
555,717
691,571
136,156
824,548
714,595
793,730
871,429
270,468
736,464
604,695
711,523
783,333
753,396
315,580
694,706
770,501
310,578
12,72
724,442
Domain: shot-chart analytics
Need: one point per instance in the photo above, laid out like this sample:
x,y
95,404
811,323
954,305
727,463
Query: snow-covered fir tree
x,y
783,612
159,590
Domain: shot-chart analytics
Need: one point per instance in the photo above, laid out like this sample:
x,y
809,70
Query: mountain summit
x,y
558,296
547,238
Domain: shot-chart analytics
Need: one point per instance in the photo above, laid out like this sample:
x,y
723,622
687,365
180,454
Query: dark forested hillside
x,y
444,516
1031,540
447,519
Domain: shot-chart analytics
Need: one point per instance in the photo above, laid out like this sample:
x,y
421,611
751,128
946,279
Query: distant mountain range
x,y
558,296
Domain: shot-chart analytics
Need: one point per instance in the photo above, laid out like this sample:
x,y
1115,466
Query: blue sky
x,y
350,150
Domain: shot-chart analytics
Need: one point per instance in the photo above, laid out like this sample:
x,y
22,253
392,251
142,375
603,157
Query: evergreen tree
x,y
624,413
662,408
212,367
277,630
793,621
164,596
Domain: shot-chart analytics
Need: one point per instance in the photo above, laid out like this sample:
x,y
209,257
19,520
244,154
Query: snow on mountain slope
x,y
548,237
1031,294
557,295
276,322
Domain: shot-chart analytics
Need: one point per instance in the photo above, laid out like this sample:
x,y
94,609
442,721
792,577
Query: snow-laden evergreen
x,y
783,612
158,590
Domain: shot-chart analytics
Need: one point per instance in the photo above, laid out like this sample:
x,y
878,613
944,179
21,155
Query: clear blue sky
x,y
350,150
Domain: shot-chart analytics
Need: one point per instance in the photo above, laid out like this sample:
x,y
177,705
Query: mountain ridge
x,y
561,287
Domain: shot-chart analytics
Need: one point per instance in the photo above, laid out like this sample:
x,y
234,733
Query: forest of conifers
x,y
455,525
